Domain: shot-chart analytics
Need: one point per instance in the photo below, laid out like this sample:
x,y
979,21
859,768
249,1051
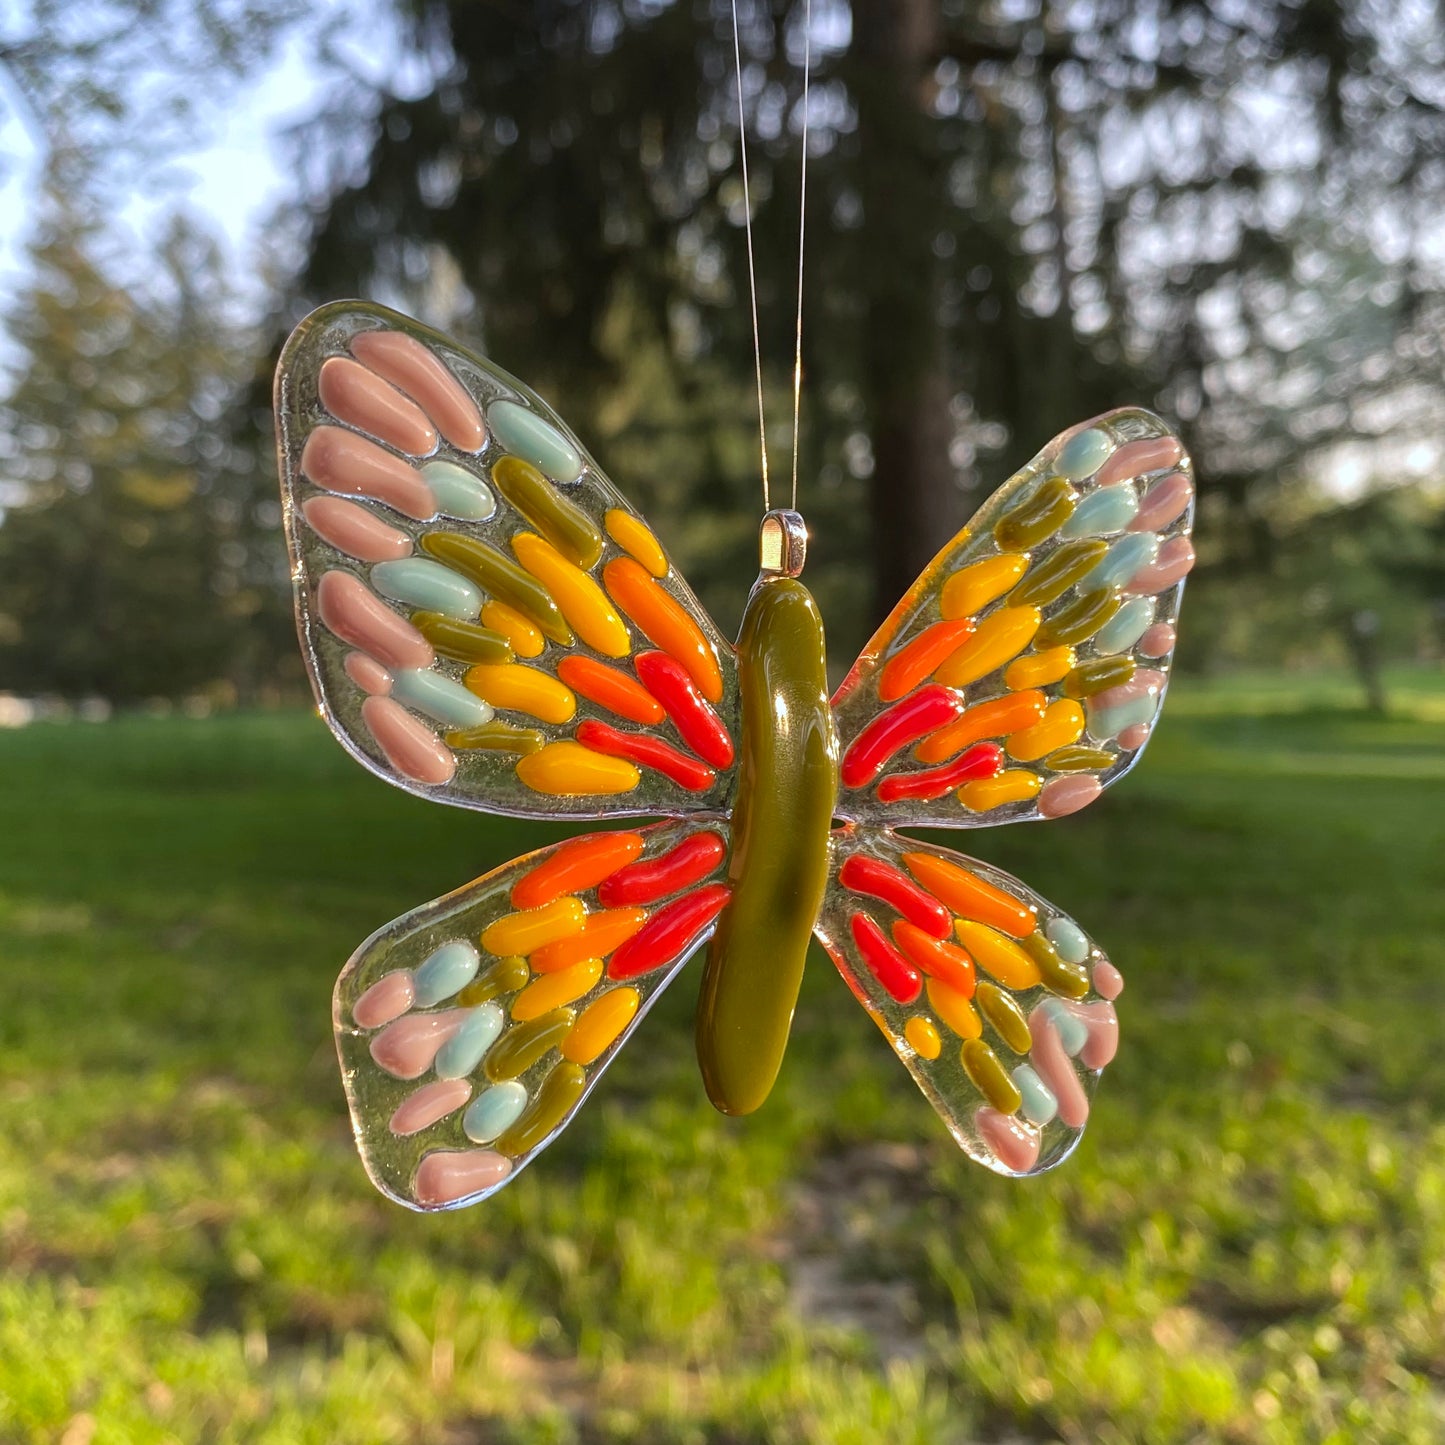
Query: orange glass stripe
x,y
969,896
907,668
609,688
936,958
996,718
954,1009
665,621
601,933
577,865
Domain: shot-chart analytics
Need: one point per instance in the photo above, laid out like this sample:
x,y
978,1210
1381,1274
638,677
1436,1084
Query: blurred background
x,y
1020,214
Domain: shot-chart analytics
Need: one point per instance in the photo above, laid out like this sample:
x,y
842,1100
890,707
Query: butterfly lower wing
x,y
485,619
1022,673
998,1004
471,1029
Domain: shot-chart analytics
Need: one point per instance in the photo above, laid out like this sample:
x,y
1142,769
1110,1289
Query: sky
x,y
231,180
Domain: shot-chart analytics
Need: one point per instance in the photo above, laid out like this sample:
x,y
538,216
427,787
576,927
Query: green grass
x,y
1248,1246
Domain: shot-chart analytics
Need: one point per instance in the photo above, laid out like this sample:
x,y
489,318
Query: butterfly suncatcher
x,y
487,622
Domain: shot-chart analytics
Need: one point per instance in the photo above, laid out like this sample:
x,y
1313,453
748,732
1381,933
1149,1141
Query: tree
x,y
577,159
135,557
1018,216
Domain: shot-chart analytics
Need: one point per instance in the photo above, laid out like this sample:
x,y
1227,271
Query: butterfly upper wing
x,y
471,1029
1022,673
998,1004
484,617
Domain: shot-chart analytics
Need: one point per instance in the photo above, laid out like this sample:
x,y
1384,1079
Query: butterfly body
x,y
487,622
782,818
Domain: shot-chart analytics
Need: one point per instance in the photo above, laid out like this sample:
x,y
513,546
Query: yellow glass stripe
x,y
516,688
552,990
633,536
923,1037
967,592
584,604
568,770
1039,669
1062,724
1014,786
526,640
1001,636
995,954
520,933
600,1023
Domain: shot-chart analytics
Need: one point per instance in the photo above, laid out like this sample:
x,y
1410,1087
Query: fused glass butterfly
x,y
487,622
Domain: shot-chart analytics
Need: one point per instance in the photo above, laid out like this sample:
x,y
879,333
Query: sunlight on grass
x,y
1249,1245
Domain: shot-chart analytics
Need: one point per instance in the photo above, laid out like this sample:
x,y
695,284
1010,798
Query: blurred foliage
x,y
1354,583
139,558
1020,213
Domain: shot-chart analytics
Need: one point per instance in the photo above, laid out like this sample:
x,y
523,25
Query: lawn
x,y
1248,1246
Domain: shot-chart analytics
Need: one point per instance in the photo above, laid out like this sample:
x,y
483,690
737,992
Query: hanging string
x,y
752,269
802,226
752,273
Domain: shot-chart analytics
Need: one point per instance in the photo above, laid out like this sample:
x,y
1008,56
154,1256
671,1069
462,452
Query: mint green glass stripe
x,y
1039,1103
1122,561
494,1111
1109,722
446,971
1073,1032
440,698
1082,455
420,582
458,493
1125,627
464,1050
527,435
1110,509
1069,940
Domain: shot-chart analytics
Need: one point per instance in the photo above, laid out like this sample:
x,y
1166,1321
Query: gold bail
x,y
783,543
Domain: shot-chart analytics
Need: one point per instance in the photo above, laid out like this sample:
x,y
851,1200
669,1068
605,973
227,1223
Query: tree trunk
x,y
917,504
1363,634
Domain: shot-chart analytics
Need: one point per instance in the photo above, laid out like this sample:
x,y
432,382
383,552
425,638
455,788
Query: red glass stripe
x,y
701,728
669,933
892,886
894,972
653,753
983,760
892,730
650,879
